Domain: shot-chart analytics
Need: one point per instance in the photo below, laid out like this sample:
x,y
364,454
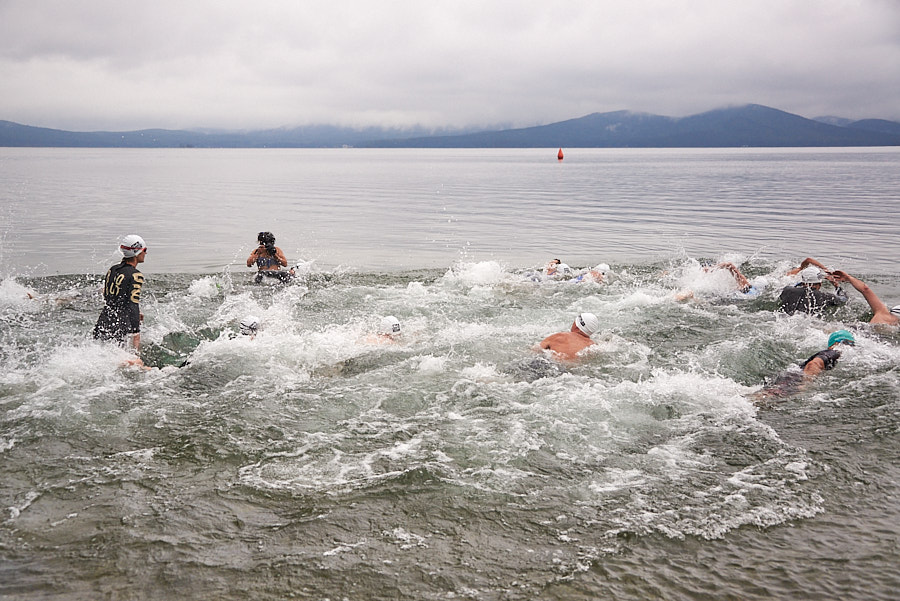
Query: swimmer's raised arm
x,y
806,263
743,282
882,313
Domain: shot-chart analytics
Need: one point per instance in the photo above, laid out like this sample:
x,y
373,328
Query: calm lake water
x,y
313,463
200,210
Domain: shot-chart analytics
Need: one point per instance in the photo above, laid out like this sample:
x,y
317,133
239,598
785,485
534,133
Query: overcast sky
x,y
122,64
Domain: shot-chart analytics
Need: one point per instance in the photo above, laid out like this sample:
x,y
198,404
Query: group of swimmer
x,y
805,296
557,270
120,320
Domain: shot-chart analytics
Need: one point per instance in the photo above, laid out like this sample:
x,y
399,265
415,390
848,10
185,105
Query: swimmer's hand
x,y
136,362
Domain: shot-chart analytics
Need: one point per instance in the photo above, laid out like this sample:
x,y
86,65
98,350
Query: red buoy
x,y
559,155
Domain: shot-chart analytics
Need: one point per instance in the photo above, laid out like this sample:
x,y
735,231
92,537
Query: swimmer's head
x,y
602,268
587,323
841,337
389,326
265,238
132,245
811,275
895,310
249,325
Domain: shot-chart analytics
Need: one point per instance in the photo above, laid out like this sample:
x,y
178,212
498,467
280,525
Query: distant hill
x,y
839,121
314,136
877,125
750,125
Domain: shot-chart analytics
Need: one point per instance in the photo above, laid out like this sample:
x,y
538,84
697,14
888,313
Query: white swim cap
x,y
602,268
811,275
564,268
132,245
249,325
389,325
895,310
587,323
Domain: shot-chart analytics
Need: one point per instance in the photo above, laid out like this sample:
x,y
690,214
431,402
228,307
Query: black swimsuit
x,y
265,263
829,357
789,383
807,300
122,314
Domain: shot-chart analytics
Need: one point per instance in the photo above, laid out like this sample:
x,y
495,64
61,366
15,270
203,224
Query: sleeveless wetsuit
x,y
790,382
122,314
829,357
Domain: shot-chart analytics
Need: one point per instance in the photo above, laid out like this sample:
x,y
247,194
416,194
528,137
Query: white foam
x,y
481,372
206,287
485,273
323,466
406,539
15,295
16,510
432,364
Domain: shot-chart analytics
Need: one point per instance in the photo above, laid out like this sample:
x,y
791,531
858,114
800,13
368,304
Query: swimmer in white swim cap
x,y
389,326
567,345
388,331
597,274
250,326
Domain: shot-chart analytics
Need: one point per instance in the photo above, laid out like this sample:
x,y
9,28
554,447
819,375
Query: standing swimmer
x,y
269,259
121,317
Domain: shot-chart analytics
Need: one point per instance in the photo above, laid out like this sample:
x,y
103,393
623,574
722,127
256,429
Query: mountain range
x,y
750,125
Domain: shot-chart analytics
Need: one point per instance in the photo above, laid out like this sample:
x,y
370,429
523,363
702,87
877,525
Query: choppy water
x,y
311,463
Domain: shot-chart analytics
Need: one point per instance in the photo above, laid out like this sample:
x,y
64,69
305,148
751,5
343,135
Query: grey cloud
x,y
113,65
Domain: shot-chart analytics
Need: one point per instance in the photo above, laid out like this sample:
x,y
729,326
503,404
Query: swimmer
x,y
556,268
121,317
881,313
249,326
744,288
744,285
795,380
269,259
57,299
826,359
388,331
552,267
807,296
597,274
567,345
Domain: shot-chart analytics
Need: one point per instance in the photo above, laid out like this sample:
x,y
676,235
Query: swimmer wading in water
x,y
269,259
120,319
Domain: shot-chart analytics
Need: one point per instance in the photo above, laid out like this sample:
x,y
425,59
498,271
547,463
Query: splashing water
x,y
454,450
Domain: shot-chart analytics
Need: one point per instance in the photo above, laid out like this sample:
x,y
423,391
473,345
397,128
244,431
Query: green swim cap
x,y
841,336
